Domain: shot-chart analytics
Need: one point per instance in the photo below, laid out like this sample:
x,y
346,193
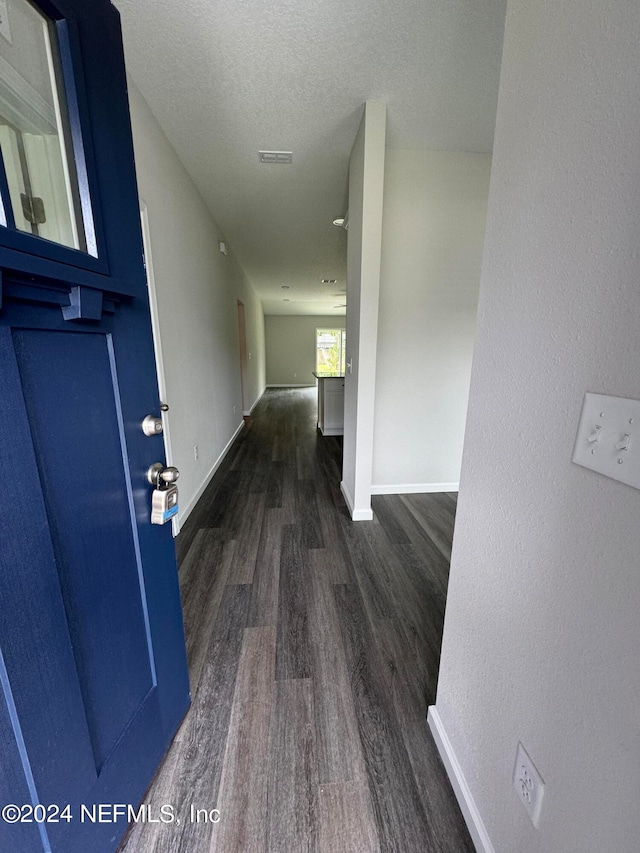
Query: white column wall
x,y
366,188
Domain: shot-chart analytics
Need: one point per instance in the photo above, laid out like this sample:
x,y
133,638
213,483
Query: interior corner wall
x,y
290,342
542,633
197,289
433,224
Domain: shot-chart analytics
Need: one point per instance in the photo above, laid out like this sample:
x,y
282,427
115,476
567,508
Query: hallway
x,y
313,647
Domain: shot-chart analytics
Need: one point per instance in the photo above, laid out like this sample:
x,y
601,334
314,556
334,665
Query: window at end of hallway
x,y
330,351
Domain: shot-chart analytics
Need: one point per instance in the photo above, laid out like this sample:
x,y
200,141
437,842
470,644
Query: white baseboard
x,y
291,385
468,807
356,514
414,488
194,500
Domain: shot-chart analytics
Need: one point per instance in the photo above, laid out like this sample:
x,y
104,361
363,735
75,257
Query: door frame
x,y
157,342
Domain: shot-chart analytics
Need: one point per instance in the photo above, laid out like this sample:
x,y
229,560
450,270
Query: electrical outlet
x,y
195,452
528,784
234,410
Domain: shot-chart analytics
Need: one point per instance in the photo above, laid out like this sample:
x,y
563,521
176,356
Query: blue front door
x,y
93,679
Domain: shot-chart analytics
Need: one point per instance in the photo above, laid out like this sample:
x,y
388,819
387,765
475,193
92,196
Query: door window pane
x,y
34,137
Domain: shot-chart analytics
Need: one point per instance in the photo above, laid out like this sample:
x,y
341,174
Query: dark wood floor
x,y
313,647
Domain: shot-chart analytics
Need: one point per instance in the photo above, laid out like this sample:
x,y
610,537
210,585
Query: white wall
x,y
290,342
435,205
197,289
366,187
542,632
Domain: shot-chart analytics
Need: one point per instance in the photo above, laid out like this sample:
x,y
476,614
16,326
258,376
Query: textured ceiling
x,y
227,78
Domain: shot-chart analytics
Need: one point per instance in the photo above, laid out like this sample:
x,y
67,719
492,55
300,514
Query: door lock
x,y
164,499
159,475
151,425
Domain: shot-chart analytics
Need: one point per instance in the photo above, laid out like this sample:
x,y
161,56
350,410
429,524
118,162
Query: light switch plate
x,y
607,426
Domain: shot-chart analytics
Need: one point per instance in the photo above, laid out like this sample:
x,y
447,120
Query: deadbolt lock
x,y
152,425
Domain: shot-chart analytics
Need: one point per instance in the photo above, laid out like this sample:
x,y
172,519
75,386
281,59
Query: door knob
x,y
158,472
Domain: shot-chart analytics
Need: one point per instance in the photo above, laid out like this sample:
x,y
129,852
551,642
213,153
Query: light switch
x,y
608,439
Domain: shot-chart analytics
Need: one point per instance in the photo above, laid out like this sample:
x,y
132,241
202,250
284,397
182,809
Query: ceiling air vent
x,y
275,156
